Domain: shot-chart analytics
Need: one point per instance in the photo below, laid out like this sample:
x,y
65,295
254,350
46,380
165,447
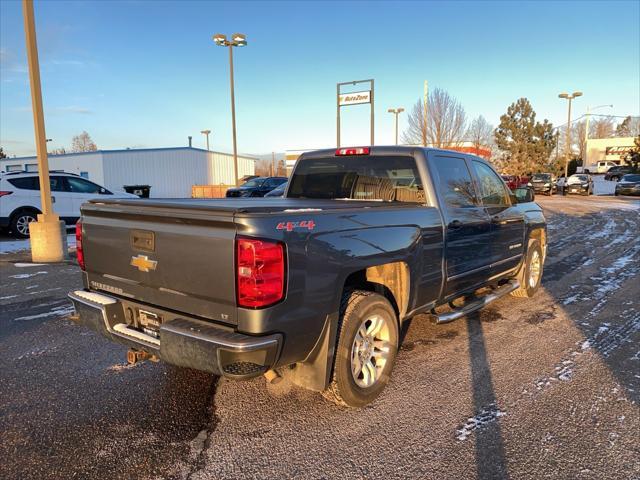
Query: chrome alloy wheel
x,y
534,269
370,350
22,224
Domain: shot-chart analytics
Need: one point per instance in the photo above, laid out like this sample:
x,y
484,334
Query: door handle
x,y
455,224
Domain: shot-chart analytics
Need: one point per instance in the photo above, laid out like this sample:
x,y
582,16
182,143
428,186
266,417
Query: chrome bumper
x,y
185,342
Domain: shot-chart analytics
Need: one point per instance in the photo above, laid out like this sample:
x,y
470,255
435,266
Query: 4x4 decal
x,y
290,226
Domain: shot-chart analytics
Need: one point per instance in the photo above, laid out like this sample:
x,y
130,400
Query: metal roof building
x,y
171,172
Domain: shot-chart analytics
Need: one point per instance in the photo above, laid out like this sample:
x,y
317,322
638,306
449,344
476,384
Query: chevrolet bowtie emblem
x,y
142,263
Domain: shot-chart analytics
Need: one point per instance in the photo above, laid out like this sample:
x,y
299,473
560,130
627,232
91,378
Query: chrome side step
x,y
478,303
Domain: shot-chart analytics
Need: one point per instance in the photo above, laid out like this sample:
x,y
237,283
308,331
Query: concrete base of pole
x,y
48,237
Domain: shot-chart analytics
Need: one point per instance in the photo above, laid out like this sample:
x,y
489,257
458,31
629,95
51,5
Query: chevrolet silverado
x,y
318,282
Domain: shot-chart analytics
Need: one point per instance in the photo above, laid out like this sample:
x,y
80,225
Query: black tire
x,y
355,309
18,221
526,289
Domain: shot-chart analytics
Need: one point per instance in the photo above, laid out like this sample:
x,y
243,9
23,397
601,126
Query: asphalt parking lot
x,y
547,387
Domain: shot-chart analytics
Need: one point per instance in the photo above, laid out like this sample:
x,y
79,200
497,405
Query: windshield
x,y
366,178
255,182
631,178
578,179
541,176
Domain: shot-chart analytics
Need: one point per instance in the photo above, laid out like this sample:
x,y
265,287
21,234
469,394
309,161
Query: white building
x,y
171,172
608,149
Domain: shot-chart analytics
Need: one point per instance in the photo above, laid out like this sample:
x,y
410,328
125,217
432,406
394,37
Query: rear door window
x,y
454,182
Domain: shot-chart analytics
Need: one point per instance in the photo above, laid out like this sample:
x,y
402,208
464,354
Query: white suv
x,y
20,198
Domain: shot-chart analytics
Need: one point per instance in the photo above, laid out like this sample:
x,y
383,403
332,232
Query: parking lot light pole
x,y
206,134
568,147
47,234
237,40
396,112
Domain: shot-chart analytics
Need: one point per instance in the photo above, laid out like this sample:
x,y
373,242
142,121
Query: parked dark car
x,y
319,282
617,172
256,187
629,185
278,191
544,183
580,183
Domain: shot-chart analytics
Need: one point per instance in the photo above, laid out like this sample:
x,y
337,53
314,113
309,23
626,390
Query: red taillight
x,y
4,192
79,251
352,151
259,272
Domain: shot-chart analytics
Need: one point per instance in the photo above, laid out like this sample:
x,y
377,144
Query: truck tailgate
x,y
178,259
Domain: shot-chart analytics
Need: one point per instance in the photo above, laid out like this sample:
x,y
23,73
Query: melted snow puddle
x,y
479,421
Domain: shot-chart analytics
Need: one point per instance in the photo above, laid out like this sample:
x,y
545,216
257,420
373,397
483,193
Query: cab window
x,y
492,190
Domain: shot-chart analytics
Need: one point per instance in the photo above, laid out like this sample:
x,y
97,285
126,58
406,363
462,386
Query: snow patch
x,y
486,416
27,265
27,275
61,311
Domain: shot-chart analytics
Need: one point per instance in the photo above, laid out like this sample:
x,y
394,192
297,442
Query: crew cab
x,y
318,282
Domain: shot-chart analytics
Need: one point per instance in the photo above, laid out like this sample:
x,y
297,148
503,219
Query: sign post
x,y
354,98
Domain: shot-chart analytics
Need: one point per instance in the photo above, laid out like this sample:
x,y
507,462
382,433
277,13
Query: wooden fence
x,y
209,191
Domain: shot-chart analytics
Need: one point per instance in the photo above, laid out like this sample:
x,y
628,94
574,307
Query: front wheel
x,y
366,349
530,274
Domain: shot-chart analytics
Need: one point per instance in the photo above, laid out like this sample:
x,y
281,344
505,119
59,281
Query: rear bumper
x,y
185,342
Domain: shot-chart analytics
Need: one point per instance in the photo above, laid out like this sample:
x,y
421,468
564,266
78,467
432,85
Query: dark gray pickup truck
x,y
317,283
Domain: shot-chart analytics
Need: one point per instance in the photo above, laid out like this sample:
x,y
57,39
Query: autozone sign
x,y
354,98
618,150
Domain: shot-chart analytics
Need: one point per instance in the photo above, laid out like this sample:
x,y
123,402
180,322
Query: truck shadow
x,y
489,445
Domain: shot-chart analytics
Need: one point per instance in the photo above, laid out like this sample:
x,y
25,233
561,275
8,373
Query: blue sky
x,y
146,74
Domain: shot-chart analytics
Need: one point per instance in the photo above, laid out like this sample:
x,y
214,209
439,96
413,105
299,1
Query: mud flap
x,y
315,372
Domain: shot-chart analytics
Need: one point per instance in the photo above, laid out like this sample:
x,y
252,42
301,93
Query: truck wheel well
x,y
390,280
540,235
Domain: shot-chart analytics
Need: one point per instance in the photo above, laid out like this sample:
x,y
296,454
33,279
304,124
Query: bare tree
x,y
630,127
446,121
480,133
83,143
577,135
602,127
58,151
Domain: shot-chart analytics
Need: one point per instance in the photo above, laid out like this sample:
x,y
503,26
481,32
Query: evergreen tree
x,y
526,144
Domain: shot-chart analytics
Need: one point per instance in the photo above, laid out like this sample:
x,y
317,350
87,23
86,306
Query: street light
x,y
237,40
206,133
568,147
396,112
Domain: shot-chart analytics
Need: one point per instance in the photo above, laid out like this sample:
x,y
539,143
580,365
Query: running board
x,y
478,303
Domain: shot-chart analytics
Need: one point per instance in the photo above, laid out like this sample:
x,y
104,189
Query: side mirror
x,y
523,195
103,190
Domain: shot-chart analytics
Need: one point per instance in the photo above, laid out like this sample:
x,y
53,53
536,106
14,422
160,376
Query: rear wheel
x,y
366,349
20,221
530,273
